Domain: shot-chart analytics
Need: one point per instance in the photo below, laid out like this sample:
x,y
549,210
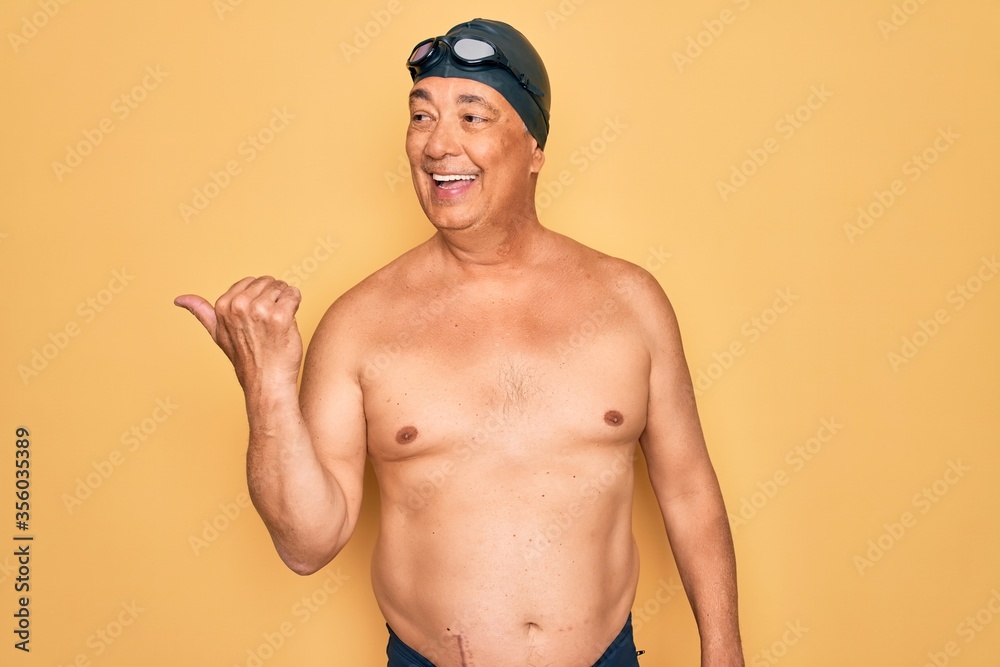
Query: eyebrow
x,y
419,94
477,99
464,98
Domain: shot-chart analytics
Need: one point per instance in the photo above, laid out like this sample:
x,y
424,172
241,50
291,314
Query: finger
x,y
288,299
293,294
261,285
201,309
274,290
278,300
242,293
240,284
242,299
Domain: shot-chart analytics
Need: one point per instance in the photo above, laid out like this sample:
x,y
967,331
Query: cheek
x,y
503,153
410,146
414,152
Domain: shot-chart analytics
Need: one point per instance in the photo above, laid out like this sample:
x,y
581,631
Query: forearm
x,y
300,502
702,544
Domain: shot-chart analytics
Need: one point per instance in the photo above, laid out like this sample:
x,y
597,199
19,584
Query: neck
x,y
485,247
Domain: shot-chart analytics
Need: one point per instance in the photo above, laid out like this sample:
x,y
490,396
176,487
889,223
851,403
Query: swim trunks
x,y
620,653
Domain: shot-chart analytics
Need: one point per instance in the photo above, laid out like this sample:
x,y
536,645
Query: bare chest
x,y
515,380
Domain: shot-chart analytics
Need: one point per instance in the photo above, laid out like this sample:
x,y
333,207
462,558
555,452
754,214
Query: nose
x,y
443,140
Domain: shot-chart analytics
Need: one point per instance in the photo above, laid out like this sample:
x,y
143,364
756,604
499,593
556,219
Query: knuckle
x,y
261,310
239,305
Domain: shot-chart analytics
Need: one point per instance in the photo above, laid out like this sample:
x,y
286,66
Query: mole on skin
x,y
406,435
613,418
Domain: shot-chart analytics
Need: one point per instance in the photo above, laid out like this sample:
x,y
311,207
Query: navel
x,y
613,418
406,435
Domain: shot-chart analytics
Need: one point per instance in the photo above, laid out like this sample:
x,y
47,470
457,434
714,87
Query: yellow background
x,y
660,134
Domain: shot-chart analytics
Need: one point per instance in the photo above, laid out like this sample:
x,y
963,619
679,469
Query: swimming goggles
x,y
467,51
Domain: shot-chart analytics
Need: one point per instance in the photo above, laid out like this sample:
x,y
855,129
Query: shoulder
x,y
627,282
635,289
359,313
648,303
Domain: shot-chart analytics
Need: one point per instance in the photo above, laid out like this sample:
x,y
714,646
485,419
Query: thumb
x,y
201,309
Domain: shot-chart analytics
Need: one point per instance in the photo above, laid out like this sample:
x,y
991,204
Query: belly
x,y
518,561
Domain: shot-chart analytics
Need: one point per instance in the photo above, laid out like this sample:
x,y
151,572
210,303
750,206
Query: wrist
x,y
729,656
270,398
263,383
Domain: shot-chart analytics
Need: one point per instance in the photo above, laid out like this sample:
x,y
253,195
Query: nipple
x,y
613,418
406,435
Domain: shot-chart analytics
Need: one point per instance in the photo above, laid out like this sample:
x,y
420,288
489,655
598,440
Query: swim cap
x,y
530,95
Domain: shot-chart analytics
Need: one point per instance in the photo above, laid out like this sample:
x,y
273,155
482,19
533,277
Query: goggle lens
x,y
472,50
421,51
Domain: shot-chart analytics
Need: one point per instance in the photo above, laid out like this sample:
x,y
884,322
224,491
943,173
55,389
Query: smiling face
x,y
471,157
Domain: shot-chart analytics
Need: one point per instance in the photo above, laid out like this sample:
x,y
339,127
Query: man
x,y
498,376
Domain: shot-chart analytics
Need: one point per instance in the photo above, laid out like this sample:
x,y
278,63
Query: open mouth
x,y
453,182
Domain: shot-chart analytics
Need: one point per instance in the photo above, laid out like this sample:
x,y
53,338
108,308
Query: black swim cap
x,y
530,96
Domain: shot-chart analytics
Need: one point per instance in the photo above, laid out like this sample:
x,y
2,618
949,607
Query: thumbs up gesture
x,y
254,324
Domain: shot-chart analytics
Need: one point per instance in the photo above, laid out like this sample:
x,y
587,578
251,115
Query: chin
x,y
448,215
448,222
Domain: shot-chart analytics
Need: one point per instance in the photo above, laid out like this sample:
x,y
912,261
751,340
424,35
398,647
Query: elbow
x,y
308,556
304,566
304,563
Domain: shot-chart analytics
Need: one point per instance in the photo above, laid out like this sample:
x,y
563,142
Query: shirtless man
x,y
499,377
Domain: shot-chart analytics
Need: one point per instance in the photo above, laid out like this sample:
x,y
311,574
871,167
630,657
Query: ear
x,y
537,157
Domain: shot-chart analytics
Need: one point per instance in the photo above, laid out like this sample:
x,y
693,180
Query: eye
x,y
420,119
475,120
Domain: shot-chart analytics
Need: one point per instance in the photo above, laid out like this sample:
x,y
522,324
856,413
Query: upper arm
x,y
331,402
672,442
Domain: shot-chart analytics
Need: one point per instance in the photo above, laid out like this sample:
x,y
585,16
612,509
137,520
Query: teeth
x,y
453,177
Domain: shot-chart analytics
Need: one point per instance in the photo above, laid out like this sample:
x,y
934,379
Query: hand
x,y
254,324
